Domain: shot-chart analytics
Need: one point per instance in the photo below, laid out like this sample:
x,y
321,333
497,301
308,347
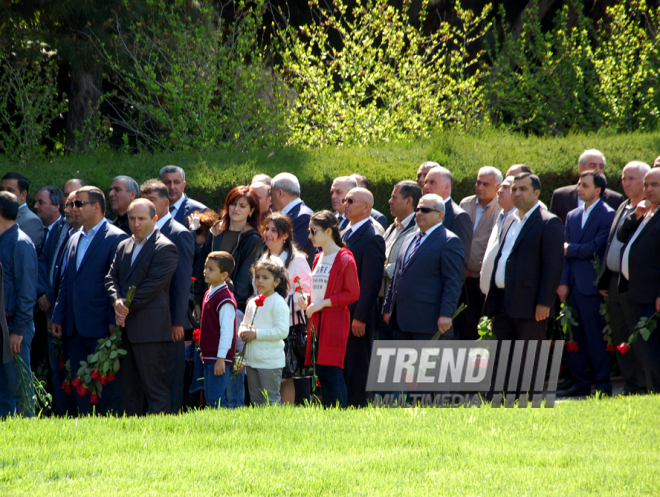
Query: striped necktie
x,y
414,249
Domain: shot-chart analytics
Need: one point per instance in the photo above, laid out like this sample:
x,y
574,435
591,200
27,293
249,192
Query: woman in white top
x,y
277,232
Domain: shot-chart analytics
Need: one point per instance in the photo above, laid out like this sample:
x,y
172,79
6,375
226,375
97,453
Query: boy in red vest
x,y
217,328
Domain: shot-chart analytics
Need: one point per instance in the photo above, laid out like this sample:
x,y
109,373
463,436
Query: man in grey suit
x,y
27,220
147,261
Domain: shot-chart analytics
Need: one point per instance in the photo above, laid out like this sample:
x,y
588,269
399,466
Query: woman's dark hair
x,y
283,226
232,197
278,272
325,220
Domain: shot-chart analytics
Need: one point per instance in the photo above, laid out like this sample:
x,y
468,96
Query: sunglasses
x,y
350,201
80,203
425,210
312,231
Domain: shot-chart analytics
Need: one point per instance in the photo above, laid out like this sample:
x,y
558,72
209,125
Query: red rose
x,y
76,382
623,348
66,387
81,390
259,301
94,399
103,379
62,366
610,347
193,278
110,377
96,375
196,335
572,347
552,344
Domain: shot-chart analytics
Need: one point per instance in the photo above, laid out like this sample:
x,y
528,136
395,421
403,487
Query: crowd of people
x,y
265,276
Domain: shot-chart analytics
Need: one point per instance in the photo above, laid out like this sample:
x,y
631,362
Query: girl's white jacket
x,y
272,327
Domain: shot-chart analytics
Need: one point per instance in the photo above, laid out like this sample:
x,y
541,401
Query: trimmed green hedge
x,y
211,175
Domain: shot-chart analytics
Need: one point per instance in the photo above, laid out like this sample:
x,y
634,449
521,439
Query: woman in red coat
x,y
334,286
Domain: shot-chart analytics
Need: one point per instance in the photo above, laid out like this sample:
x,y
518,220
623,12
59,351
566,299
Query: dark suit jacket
x,y
300,216
534,267
31,225
565,199
368,249
181,281
643,261
605,274
60,258
430,285
7,355
48,257
149,317
82,303
188,206
458,222
379,217
584,244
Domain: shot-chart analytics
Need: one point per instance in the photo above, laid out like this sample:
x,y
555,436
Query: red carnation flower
x,y
62,366
299,289
110,377
94,399
76,382
296,280
196,335
259,301
623,348
66,387
572,347
610,347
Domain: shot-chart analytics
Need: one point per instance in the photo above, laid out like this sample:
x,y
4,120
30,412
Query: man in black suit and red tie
x,y
566,199
147,261
368,248
527,268
640,272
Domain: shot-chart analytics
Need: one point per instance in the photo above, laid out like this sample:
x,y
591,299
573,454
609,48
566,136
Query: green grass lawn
x,y
609,446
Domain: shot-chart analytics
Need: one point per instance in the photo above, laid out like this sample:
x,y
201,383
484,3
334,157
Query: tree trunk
x,y
83,102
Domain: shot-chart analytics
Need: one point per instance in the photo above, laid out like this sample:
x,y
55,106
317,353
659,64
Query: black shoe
x,y
575,391
603,393
632,390
565,385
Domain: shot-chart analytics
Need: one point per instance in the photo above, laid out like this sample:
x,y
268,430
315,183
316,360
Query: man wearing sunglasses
x,y
427,280
82,310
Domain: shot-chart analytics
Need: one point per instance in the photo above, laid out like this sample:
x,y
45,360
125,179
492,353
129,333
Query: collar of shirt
x,y
93,231
163,220
405,222
177,205
291,205
214,289
23,206
478,204
587,211
141,244
448,199
51,226
357,225
516,214
429,231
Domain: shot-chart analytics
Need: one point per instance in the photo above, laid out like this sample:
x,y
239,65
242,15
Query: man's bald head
x,y
72,185
142,218
632,180
358,204
652,186
516,169
438,180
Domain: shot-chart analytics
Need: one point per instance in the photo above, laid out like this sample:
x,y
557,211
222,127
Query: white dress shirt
x,y
424,238
510,240
163,220
625,264
139,245
587,211
354,227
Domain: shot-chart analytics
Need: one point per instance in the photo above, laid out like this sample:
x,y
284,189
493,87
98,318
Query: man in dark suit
x,y
640,272
439,181
404,200
585,237
426,286
368,248
566,199
285,196
147,261
28,221
363,182
156,193
527,268
123,191
621,315
82,310
181,206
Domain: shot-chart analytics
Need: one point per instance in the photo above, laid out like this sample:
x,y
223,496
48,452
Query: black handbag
x,y
298,333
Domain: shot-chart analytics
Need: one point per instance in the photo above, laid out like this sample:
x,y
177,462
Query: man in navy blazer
x,y
156,192
82,309
585,237
181,206
427,280
368,248
285,197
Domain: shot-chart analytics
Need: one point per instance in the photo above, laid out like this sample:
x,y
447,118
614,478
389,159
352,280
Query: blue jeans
x,y
9,393
215,386
236,390
333,386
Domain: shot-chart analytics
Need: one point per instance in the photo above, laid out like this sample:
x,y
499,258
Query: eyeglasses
x,y
351,201
80,203
425,210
